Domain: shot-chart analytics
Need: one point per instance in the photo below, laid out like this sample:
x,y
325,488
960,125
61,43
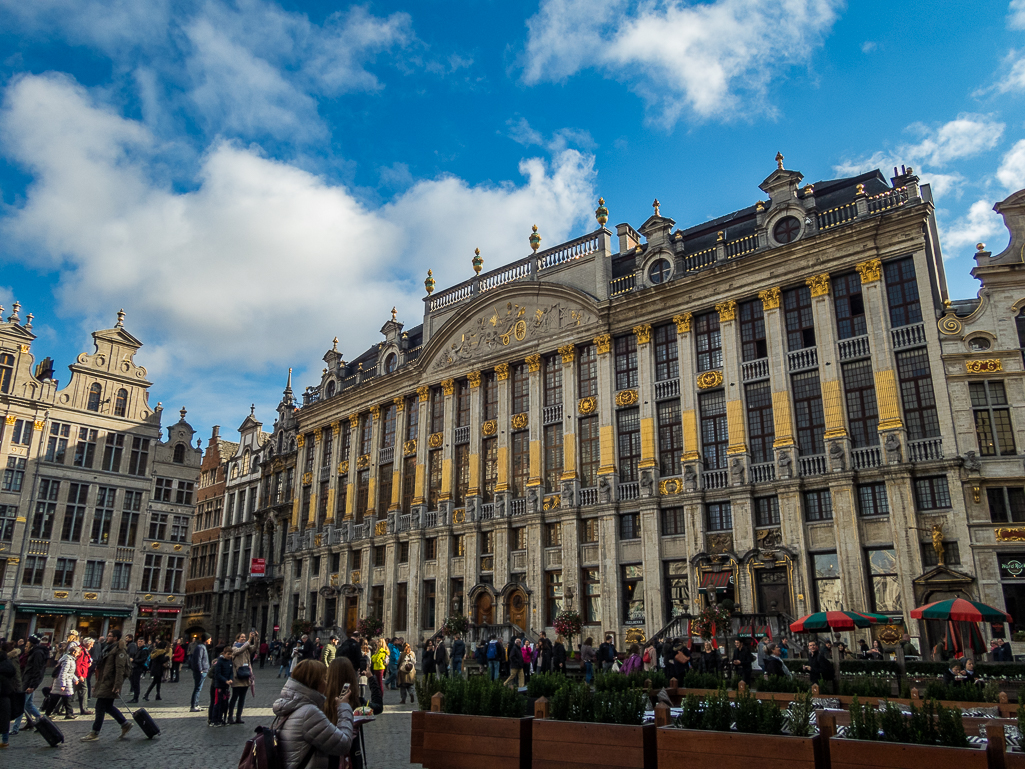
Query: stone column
x,y
570,482
536,573
848,542
651,557
318,449
332,466
779,379
608,542
904,525
791,525
504,417
352,461
645,398
473,493
300,441
688,398
420,486
733,379
414,585
448,449
829,373
606,428
398,455
375,443
535,485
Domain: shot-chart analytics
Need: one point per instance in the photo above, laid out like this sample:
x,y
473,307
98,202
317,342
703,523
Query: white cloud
x,y
521,132
714,60
261,263
980,223
1011,173
868,46
1016,14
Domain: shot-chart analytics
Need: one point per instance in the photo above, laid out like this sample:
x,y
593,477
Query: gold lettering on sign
x,y
982,366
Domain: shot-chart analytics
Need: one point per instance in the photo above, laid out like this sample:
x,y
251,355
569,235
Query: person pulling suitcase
x,y
113,666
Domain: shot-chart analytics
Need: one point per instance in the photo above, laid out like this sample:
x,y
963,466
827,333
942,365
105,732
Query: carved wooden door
x,y
516,608
485,614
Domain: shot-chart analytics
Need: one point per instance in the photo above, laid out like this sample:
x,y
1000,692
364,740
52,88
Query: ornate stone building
x,y
754,407
95,508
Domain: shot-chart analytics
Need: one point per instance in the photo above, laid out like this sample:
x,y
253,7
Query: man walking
x,y
111,670
458,652
32,676
139,662
607,653
199,661
494,655
330,651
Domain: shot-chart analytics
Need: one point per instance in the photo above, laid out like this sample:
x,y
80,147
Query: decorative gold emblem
x,y
533,363
519,421
869,271
889,634
553,502
949,324
435,440
300,440
409,447
770,298
423,393
819,284
604,343
760,206
458,516
682,322
90,596
353,421
490,427
317,540
448,386
155,545
39,424
474,379
626,397
355,576
501,372
381,528
375,411
720,236
983,366
1010,535
318,434
177,548
643,333
10,419
363,462
670,486
587,405
977,494
709,379
24,348
727,310
60,593
307,479
568,352
147,597
719,543
400,404
343,467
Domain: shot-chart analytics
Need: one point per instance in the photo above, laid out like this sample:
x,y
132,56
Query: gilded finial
x,y
394,314
859,190
980,247
655,205
477,261
759,206
334,345
429,283
601,213
779,160
720,236
28,320
183,412
120,319
535,239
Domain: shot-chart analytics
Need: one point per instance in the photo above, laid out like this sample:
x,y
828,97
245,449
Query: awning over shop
x,y
92,611
717,581
104,613
46,609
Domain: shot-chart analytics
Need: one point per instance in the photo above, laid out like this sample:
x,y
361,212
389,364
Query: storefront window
x,y
678,596
633,595
592,597
882,568
827,581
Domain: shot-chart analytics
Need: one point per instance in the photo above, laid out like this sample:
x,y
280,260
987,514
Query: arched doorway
x,y
484,609
516,608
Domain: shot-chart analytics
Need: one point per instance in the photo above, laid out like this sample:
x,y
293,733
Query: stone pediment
x,y
508,322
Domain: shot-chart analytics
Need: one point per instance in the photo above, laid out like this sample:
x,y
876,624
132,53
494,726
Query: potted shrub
x,y
370,627
932,736
456,624
599,728
704,734
478,722
568,623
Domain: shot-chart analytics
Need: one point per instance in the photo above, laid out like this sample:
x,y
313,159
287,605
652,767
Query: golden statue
x,y
936,534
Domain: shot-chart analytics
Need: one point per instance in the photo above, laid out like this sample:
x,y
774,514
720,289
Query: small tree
x,y
456,624
569,624
713,621
370,627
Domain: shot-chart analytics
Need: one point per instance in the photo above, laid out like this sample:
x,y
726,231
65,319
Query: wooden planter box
x,y
559,744
690,748
416,737
858,754
475,742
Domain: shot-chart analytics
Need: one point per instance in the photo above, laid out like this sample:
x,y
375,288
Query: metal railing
x,y
715,479
754,370
837,216
551,414
629,491
741,246
925,449
814,464
803,360
854,348
462,435
908,336
870,456
622,285
667,388
763,472
588,496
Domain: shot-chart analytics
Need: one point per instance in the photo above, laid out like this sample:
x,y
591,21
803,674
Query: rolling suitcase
x,y
144,720
50,731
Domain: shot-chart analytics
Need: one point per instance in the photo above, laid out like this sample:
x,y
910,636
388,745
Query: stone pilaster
x,y
881,344
332,469
536,428
829,374
848,542
646,404
688,396
373,502
351,462
606,412
423,403
570,484
398,455
732,382
474,491
504,417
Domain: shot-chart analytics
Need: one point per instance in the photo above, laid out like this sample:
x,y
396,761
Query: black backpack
x,y
263,751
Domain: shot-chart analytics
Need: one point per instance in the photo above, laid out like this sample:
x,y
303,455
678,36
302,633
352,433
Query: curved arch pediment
x,y
513,319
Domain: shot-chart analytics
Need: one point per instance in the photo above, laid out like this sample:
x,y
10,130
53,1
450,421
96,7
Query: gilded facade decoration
x,y
375,411
770,298
448,386
490,427
318,434
436,440
307,480
363,462
983,366
1009,535
10,419
587,405
423,393
533,363
501,372
552,503
949,324
719,543
90,596
682,322
300,440
355,576
409,448
474,379
604,343
707,379
626,398
343,467
336,428
727,310
869,271
353,421
318,540
568,352
819,284
380,528
670,486
519,421
643,333
400,404
60,594
459,516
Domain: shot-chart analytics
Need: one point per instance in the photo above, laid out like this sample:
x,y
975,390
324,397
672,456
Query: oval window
x,y
659,271
978,344
786,230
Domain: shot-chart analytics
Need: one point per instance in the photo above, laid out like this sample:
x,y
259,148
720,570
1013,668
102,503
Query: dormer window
x,y
6,372
390,363
121,403
179,454
330,388
95,391
659,271
786,230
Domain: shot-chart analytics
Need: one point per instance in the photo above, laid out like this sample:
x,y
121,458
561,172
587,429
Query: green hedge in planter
x,y
782,684
577,702
932,724
617,682
955,692
866,686
546,684
480,696
426,686
718,714
697,680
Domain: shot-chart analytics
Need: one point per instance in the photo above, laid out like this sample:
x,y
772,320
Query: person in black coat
x,y
774,665
819,667
679,663
742,660
430,663
559,655
544,657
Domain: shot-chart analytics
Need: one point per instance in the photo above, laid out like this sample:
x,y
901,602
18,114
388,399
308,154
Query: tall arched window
x,y
6,372
95,391
390,363
121,403
330,388
179,453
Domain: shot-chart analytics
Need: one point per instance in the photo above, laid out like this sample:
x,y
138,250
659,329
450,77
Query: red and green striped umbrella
x,y
835,620
960,610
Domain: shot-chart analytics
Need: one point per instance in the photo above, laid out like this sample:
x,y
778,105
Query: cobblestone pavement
x,y
186,742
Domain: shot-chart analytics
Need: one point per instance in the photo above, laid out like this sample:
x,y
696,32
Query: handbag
x,y
244,671
407,668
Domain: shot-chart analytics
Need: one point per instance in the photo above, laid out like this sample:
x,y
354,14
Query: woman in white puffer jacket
x,y
302,727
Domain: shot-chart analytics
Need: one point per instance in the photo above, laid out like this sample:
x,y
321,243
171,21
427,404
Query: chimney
x,y
215,434
628,238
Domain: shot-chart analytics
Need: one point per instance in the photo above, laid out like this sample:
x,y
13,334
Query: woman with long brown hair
x,y
303,727
339,673
407,673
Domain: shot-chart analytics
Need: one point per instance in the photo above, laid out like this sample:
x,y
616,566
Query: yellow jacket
x,y
378,660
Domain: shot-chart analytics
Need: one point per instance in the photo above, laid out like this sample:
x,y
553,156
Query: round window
x,y
786,230
978,344
389,363
659,271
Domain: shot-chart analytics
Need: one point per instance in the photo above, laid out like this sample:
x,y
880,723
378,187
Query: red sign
x,y
168,610
277,628
257,567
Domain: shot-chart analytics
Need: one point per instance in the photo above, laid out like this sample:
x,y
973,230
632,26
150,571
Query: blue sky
x,y
249,180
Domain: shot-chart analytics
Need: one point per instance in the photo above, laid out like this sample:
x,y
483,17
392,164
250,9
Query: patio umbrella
x,y
960,610
835,620
954,638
